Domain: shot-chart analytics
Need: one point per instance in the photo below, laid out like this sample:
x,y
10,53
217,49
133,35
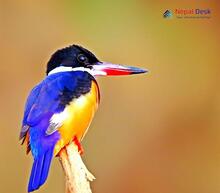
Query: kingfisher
x,y
60,109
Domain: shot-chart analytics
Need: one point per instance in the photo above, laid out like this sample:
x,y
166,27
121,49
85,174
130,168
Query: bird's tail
x,y
40,169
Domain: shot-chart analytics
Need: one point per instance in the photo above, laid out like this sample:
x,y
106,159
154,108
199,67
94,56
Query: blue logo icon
x,y
167,14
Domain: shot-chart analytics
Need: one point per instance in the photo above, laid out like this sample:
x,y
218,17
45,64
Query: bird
x,y
61,107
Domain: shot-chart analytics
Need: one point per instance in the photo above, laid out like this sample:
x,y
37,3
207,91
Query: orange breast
x,y
79,114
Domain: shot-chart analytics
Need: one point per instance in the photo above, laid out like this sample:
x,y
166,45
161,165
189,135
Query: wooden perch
x,y
77,176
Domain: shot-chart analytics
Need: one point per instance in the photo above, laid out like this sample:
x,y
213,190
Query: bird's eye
x,y
82,58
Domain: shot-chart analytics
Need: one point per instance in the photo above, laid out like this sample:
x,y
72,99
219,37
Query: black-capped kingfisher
x,y
60,109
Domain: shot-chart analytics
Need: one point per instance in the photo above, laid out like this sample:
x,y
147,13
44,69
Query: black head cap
x,y
72,56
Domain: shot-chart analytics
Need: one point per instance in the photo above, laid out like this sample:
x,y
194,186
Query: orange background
x,y
154,133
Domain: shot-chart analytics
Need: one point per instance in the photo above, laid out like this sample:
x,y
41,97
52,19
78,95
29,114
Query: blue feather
x,y
40,170
46,167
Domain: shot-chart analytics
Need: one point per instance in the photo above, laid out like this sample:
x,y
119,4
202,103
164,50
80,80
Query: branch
x,y
77,175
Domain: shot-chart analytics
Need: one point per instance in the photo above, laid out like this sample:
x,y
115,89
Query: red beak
x,y
108,69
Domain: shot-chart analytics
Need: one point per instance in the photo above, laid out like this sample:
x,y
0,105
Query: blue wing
x,y
30,101
52,95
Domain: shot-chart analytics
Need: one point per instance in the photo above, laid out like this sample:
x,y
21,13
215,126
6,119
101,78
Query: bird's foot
x,y
79,145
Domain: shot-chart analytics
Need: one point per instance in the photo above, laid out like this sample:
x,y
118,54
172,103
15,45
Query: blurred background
x,y
153,133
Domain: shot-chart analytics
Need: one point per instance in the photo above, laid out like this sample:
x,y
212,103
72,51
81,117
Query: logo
x,y
189,13
167,14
